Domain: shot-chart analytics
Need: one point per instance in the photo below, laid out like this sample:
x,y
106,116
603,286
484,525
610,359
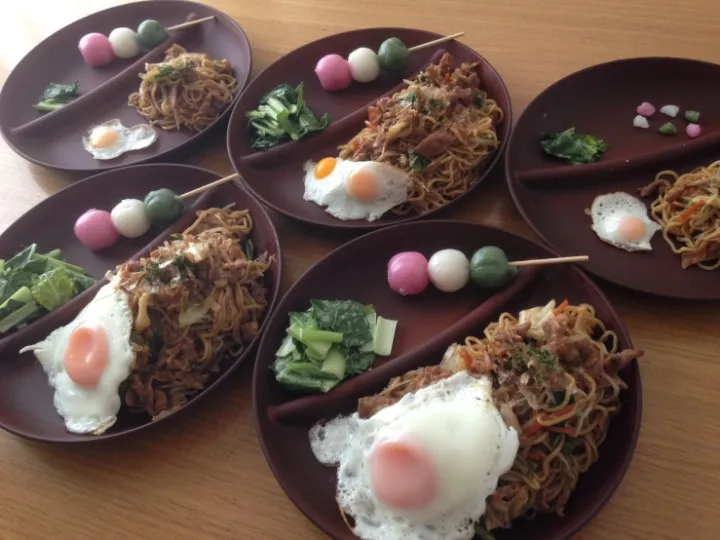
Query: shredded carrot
x,y
531,428
561,307
691,210
549,417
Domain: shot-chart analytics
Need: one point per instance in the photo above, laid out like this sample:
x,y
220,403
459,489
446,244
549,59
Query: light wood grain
x,y
203,476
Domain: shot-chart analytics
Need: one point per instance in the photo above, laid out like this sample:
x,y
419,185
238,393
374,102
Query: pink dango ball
x,y
95,230
407,273
333,71
96,49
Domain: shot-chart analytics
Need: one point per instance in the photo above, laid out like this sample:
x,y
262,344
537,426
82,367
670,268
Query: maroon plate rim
x,y
521,205
488,167
243,80
249,355
619,327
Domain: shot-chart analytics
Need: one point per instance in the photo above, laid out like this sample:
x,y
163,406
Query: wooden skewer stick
x,y
553,260
190,23
211,185
436,41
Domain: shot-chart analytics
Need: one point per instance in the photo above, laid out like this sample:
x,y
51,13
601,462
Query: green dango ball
x,y
489,268
163,207
393,55
151,33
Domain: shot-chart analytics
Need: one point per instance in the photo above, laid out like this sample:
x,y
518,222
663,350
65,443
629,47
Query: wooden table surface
x,y
204,476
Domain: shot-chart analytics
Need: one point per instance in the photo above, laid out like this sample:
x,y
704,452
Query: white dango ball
x,y
129,218
364,65
124,43
449,270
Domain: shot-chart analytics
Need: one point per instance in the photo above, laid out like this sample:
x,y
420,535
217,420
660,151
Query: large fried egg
x,y
87,360
622,221
112,139
420,469
355,189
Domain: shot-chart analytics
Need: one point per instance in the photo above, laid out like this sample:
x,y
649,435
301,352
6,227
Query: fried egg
x,y
622,221
355,189
87,360
112,139
420,469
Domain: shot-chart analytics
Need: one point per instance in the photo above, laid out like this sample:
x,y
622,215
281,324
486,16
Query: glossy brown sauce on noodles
x,y
555,373
440,128
196,300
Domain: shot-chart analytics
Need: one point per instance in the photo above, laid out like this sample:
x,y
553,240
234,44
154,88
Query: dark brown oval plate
x,y
602,101
57,143
26,399
363,265
276,176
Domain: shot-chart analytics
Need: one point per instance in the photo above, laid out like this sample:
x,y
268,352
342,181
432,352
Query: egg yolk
x,y
402,474
86,355
324,168
631,228
363,186
103,138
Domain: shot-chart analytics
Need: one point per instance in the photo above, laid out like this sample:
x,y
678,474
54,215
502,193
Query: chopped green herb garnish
x,y
692,116
436,104
479,101
283,116
516,361
667,128
410,98
572,147
56,96
418,163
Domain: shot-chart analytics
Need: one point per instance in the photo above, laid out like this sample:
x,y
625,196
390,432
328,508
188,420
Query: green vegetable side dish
x,y
56,96
489,268
163,207
333,340
393,55
572,147
32,284
283,116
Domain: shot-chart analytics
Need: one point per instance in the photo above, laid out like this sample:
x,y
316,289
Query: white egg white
x,y
331,192
607,211
90,410
457,423
129,139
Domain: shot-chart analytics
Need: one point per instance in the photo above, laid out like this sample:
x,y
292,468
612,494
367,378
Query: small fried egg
x,y
422,468
622,221
87,360
355,189
112,139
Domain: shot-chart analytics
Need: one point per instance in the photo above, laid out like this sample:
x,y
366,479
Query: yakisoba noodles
x,y
440,128
555,380
185,90
196,300
687,207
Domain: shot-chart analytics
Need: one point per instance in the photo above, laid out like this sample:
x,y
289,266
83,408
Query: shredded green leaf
x,y
572,147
